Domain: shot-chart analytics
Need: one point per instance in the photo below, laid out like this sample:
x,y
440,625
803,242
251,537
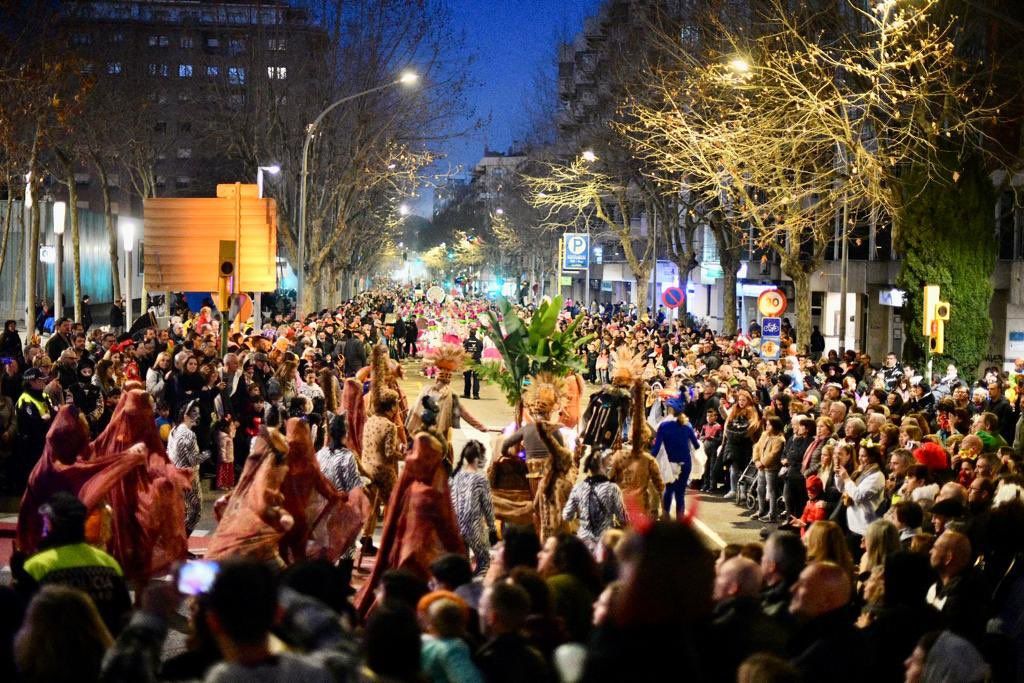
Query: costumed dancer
x,y
549,463
420,525
384,372
448,360
183,450
319,510
148,525
62,468
354,409
634,469
596,502
471,497
252,518
607,414
382,449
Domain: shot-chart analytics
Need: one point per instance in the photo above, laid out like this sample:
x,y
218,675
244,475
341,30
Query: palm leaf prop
x,y
527,348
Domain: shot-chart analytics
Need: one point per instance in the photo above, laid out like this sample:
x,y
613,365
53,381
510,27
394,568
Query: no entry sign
x,y
673,297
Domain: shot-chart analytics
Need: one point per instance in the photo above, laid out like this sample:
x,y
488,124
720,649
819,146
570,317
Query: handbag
x,y
700,461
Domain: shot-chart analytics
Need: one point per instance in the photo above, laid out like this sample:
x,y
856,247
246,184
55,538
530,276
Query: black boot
x,y
368,548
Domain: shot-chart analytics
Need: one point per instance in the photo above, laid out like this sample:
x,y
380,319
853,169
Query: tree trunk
x,y
730,267
802,292
76,245
8,222
642,271
108,220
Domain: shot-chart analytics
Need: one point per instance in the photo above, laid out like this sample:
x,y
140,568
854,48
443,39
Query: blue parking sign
x,y
575,251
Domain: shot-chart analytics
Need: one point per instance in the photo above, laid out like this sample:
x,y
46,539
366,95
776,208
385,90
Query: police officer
x,y
474,349
35,414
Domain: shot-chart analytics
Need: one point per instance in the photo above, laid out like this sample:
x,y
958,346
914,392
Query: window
x,y
184,152
236,75
159,70
186,42
181,182
275,44
160,127
212,41
161,181
82,179
115,68
235,101
115,207
236,46
159,41
161,156
162,97
184,126
83,205
184,71
81,39
278,73
113,180
117,37
88,68
212,71
184,97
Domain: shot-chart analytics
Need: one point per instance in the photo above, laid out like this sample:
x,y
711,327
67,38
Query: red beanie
x,y
932,455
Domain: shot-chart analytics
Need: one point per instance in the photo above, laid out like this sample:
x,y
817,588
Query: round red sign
x,y
772,303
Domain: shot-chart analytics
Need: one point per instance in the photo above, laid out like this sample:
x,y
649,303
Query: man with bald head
x,y
959,593
827,646
739,626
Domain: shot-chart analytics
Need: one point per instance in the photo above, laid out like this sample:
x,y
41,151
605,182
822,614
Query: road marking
x,y
709,532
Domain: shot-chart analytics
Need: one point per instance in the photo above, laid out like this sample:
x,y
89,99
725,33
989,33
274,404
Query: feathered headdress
x,y
628,367
544,394
449,357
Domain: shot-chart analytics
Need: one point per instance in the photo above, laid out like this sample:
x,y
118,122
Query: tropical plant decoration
x,y
528,348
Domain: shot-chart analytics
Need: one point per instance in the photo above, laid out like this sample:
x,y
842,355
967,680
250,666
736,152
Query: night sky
x,y
511,40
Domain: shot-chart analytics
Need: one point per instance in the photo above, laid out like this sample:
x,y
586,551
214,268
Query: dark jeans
x,y
715,470
677,490
410,347
471,380
794,491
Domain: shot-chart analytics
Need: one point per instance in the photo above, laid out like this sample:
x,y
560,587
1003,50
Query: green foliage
x,y
947,238
529,348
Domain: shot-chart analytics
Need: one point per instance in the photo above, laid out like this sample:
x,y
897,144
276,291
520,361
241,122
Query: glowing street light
x,y
59,213
408,78
404,210
740,66
126,226
589,156
272,170
500,211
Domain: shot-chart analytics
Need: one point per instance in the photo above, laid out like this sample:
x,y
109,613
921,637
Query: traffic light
x,y
936,314
225,274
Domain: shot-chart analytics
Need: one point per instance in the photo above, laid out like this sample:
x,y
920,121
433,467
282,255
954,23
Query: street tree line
x,y
775,125
63,110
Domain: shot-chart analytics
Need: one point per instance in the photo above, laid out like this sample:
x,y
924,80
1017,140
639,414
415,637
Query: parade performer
x,y
420,525
382,372
607,412
62,468
354,410
382,449
252,518
549,463
148,526
634,469
183,450
447,360
319,510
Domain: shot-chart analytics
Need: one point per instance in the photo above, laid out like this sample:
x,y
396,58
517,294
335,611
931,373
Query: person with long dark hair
x,y
596,502
471,498
183,450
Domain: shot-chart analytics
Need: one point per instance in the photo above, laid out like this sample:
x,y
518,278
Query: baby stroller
x,y
745,494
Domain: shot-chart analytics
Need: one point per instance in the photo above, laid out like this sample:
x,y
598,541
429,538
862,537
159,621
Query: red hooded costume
x,y
149,509
61,468
420,524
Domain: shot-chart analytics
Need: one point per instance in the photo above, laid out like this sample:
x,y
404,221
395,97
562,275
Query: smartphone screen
x,y
196,576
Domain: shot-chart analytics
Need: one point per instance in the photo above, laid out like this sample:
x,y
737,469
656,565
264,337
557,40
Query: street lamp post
x,y
126,226
59,211
257,307
407,78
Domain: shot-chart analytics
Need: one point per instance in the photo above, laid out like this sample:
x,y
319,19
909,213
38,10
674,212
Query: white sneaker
x,y
730,495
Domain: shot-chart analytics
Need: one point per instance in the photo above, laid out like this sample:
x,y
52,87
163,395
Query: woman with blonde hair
x,y
880,540
62,638
742,426
826,542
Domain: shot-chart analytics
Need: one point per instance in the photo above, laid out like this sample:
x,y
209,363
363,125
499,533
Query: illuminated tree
x,y
790,131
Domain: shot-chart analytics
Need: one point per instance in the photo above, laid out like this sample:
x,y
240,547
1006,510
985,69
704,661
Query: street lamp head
x,y
589,156
272,170
408,77
404,210
126,226
59,211
739,66
500,211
